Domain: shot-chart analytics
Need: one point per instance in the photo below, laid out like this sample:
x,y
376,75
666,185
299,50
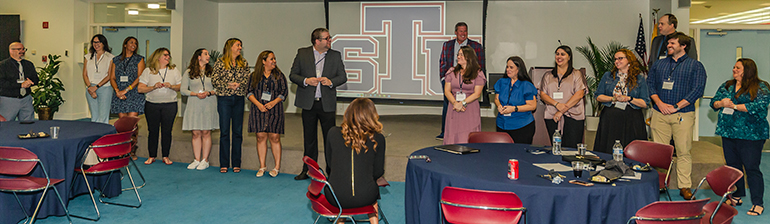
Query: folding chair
x,y
318,200
489,137
130,123
465,206
2,118
670,212
114,153
657,155
19,161
722,181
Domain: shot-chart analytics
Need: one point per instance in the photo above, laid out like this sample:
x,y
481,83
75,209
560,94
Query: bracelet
x,y
130,87
557,104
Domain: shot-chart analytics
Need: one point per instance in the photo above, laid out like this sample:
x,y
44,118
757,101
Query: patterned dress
x,y
134,101
271,121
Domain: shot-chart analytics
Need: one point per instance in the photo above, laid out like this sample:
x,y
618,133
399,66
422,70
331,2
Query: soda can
x,y
513,169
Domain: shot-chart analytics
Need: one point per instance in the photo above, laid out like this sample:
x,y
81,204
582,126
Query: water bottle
x,y
556,144
617,151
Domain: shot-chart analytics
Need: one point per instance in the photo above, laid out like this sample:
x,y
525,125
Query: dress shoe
x,y
301,176
686,193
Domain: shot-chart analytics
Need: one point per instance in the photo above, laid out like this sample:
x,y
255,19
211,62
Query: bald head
x,y
17,50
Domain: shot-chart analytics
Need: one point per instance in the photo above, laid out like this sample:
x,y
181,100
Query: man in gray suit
x,y
317,70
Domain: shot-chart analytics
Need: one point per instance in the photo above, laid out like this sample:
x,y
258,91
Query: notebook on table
x,y
456,149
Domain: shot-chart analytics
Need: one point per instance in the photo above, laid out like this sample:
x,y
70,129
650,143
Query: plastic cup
x,y
581,149
55,132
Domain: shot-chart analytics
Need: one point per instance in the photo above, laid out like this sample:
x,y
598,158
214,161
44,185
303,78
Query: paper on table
x,y
558,167
636,176
572,153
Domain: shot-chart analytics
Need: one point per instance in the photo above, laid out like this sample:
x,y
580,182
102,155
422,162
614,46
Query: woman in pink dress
x,y
463,87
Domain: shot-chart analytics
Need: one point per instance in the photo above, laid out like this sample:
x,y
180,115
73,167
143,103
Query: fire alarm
x,y
45,59
45,25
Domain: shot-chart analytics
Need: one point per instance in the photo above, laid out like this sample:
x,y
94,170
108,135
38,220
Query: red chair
x,y
2,118
489,137
318,200
18,161
671,212
724,215
722,181
459,205
114,153
130,123
657,155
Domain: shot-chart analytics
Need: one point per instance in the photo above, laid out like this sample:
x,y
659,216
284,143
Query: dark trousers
x,y
310,119
746,154
443,111
572,133
522,135
230,109
159,116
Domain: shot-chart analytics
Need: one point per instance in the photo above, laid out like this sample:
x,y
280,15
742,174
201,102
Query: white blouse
x,y
98,68
161,95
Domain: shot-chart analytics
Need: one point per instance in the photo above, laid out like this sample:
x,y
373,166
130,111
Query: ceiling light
x,y
153,6
735,16
697,2
133,12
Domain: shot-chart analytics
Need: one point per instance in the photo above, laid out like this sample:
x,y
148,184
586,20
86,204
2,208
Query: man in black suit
x,y
17,75
317,70
666,26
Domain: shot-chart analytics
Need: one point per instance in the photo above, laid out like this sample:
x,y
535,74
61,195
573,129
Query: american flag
x,y
641,44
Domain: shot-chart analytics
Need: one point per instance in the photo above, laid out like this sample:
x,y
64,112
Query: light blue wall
x,y
717,53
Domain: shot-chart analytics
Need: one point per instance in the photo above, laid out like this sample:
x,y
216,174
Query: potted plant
x,y
46,94
602,60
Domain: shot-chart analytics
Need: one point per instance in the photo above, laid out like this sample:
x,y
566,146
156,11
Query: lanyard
x,y
670,74
559,83
97,62
202,84
164,75
662,43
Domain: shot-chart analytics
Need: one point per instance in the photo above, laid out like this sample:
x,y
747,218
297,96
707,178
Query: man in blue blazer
x,y
317,70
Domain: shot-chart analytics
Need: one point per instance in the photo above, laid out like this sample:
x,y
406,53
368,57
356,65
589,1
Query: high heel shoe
x,y
261,171
756,210
734,201
274,172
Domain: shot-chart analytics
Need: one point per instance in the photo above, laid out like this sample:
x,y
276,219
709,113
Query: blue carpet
x,y
177,195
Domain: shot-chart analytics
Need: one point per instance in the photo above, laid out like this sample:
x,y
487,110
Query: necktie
x,y
22,91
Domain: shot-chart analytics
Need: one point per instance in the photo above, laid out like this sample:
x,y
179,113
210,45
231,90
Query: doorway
x,y
149,38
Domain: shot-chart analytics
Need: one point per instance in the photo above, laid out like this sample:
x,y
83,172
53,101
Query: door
x,y
149,38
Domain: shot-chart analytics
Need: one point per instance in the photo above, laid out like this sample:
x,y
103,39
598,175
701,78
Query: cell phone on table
x,y
580,182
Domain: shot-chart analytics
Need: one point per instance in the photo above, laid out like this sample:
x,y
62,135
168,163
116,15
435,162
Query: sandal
x,y
167,161
236,169
734,201
261,171
754,211
149,161
133,156
223,170
273,173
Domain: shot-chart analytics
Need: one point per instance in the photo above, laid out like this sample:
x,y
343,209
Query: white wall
x,y
200,28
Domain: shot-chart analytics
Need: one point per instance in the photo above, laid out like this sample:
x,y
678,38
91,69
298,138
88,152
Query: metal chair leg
x,y
144,182
91,194
26,215
130,177
66,211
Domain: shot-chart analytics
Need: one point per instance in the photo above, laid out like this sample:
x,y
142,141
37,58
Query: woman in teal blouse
x,y
515,100
742,107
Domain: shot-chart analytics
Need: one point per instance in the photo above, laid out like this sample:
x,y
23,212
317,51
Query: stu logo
x,y
397,49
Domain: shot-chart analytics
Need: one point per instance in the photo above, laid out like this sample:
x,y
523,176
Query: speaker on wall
x,y
171,4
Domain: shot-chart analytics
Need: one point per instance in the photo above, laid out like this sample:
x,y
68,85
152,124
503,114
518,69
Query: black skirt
x,y
616,124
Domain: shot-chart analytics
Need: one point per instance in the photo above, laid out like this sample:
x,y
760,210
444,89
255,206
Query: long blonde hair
x,y
228,52
153,63
360,123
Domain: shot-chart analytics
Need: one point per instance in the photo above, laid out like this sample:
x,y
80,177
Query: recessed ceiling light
x,y
153,6
697,2
133,12
736,16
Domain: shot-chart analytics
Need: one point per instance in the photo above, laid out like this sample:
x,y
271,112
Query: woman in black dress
x,y
357,156
267,91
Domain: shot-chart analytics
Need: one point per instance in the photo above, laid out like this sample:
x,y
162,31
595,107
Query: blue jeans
x,y
746,154
230,108
100,107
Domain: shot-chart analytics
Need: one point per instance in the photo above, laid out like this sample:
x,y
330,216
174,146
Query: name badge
x,y
558,95
200,91
507,115
162,90
267,96
621,105
662,57
728,111
460,96
123,78
668,85
20,81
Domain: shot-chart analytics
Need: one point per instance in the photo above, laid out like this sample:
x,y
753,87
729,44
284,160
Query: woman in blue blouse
x,y
515,100
742,106
624,94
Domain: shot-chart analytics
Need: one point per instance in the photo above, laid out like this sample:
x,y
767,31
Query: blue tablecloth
x,y
545,202
60,157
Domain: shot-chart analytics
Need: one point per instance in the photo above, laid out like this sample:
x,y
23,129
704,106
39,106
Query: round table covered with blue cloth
x,y
60,157
545,202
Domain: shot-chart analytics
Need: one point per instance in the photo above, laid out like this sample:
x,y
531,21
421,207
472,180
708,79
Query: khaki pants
x,y
680,126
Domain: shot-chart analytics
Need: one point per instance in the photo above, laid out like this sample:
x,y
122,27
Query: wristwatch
x,y
676,107
735,107
464,103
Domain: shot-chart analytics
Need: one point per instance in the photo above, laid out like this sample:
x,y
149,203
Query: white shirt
x,y
165,94
98,68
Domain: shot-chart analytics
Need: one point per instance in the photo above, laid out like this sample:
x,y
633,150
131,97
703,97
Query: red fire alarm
x,y
45,59
45,25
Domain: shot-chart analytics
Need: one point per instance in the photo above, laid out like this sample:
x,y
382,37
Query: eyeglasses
x,y
327,38
19,49
620,58
96,42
